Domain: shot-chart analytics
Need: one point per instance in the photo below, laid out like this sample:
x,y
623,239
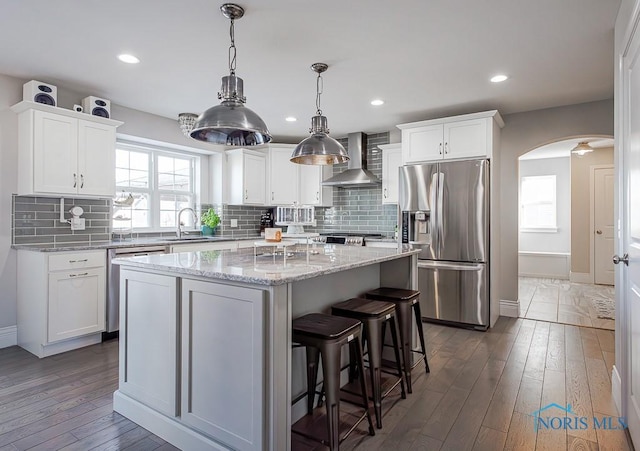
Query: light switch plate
x,y
234,223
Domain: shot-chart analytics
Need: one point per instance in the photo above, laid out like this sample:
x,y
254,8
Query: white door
x,y
603,190
255,168
464,139
76,303
422,144
55,153
310,184
391,162
628,305
96,159
283,175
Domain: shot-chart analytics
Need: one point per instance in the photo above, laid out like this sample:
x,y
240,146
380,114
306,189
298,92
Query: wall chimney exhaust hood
x,y
356,174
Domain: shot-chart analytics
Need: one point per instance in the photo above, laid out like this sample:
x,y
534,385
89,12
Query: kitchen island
x,y
205,341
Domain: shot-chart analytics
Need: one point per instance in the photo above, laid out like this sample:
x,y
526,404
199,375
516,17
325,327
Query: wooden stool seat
x,y
363,307
393,294
321,325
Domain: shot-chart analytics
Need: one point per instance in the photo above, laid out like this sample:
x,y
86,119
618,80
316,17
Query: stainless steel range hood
x,y
356,174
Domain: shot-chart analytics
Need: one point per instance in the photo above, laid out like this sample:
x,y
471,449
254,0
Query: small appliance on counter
x,y
266,220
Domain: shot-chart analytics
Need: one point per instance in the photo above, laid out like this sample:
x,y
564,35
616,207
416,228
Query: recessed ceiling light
x,y
377,102
498,78
129,59
290,119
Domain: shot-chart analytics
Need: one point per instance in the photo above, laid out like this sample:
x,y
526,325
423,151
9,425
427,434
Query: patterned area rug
x,y
606,307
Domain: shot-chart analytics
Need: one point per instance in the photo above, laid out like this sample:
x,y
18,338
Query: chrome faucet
x,y
178,229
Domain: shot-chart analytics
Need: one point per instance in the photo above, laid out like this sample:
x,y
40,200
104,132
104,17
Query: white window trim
x,y
153,191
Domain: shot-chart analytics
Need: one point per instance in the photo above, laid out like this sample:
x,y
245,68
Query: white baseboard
x,y
8,336
551,265
580,277
616,389
509,308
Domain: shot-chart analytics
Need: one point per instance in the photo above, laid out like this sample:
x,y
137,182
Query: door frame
x,y
592,215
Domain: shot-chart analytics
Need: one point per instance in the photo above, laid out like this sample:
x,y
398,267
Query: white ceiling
x,y
424,58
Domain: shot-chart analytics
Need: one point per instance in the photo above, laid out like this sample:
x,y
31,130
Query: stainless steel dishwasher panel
x,y
454,292
113,285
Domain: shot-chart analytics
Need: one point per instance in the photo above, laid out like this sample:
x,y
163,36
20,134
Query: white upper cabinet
x,y
391,162
283,176
311,190
458,137
63,152
247,177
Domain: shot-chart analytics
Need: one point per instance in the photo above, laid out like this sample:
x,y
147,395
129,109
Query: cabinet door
x,y
310,184
391,162
55,153
283,176
76,303
254,179
96,159
466,139
422,144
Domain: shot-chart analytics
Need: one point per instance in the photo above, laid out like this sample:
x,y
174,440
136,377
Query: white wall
x,y
522,133
560,241
136,123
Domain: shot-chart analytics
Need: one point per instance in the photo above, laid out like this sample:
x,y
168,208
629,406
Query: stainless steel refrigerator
x,y
444,211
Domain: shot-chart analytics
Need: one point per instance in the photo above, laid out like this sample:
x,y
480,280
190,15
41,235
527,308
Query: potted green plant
x,y
209,221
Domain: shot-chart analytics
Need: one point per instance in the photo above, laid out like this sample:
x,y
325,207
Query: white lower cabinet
x,y
61,300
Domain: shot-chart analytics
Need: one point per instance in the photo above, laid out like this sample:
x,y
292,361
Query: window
x,y
160,183
538,203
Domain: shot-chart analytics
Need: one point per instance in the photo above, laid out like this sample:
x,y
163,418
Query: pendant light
x,y
231,123
319,148
582,148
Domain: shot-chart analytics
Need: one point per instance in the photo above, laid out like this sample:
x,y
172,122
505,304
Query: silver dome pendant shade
x,y
231,123
319,148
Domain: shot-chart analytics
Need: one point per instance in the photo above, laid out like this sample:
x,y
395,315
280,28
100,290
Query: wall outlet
x,y
234,223
77,224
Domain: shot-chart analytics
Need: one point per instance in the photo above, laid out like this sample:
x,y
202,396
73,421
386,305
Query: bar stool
x,y
374,315
323,336
405,301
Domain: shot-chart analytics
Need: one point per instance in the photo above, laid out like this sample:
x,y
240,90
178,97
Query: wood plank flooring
x,y
480,395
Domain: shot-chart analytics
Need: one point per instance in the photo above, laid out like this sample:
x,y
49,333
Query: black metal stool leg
x,y
396,350
416,310
331,373
373,332
363,385
313,358
403,312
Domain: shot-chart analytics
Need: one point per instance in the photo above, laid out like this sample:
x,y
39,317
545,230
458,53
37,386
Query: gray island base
x,y
205,341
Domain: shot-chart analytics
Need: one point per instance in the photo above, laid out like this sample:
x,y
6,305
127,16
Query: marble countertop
x,y
112,244
265,268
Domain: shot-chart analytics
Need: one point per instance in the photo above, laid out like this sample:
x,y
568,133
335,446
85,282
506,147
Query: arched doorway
x,y
563,199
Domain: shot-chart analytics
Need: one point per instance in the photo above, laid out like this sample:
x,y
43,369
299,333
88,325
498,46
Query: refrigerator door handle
x,y
435,215
440,209
451,266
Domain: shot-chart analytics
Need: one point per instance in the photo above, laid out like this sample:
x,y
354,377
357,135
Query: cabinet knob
x,y
81,180
318,195
246,194
446,147
440,148
75,180
385,193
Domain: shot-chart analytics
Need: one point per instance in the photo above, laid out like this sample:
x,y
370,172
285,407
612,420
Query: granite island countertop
x,y
265,268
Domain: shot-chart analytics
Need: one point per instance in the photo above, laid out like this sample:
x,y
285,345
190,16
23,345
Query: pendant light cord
x,y
319,87
232,49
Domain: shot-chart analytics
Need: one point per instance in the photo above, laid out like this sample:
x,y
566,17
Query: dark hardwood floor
x,y
480,395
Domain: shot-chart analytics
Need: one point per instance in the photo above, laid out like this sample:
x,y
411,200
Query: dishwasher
x,y
113,286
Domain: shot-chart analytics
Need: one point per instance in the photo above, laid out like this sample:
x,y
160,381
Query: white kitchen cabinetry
x,y
61,300
391,162
63,152
246,175
458,137
311,190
